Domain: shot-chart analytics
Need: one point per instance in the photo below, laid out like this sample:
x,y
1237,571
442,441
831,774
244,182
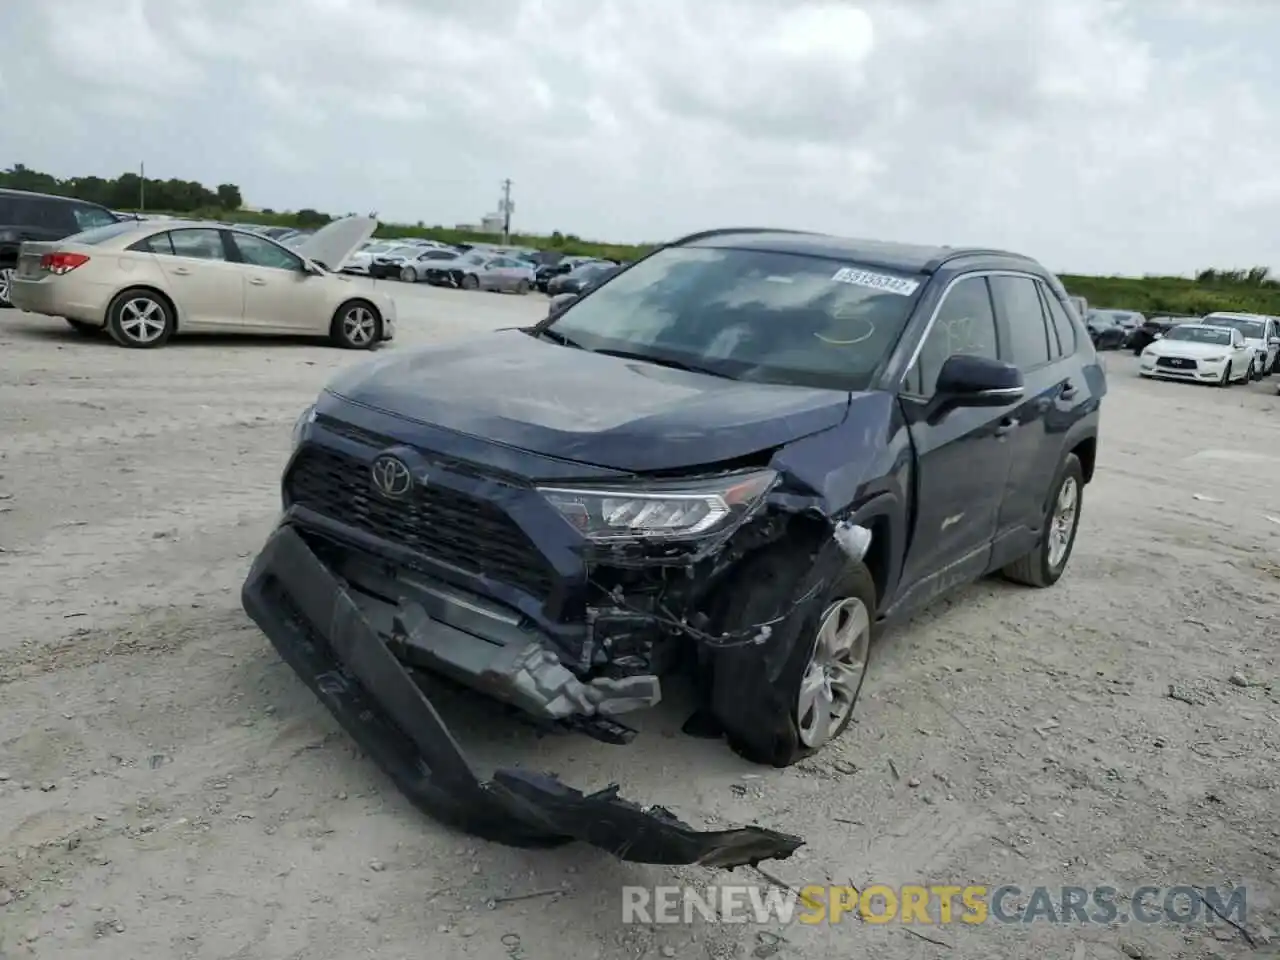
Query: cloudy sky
x,y
1098,135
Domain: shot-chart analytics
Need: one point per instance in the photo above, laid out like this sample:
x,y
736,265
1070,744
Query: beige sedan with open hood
x,y
145,281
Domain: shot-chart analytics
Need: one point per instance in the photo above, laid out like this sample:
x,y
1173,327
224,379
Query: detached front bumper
x,y
319,630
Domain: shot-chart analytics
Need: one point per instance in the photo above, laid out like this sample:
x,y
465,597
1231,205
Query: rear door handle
x,y
257,281
1005,426
182,271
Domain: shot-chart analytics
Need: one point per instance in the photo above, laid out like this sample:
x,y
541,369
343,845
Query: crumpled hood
x,y
571,404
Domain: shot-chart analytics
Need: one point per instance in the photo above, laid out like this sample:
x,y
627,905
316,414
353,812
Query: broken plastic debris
x,y
853,539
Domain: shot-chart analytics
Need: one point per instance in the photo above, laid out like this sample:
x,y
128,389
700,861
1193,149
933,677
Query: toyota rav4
x,y
739,458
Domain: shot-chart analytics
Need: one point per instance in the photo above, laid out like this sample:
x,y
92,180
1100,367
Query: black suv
x,y
39,216
738,458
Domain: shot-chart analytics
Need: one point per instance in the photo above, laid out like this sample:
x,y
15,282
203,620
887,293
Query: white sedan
x,y
1195,351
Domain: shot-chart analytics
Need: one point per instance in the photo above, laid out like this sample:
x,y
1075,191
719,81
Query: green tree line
x,y
1249,290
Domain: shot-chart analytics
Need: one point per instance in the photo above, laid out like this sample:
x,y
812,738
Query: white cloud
x,y
1099,135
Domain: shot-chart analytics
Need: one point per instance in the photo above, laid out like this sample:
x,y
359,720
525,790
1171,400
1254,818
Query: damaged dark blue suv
x,y
737,459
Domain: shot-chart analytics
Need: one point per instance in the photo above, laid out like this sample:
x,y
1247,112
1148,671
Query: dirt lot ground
x,y
169,790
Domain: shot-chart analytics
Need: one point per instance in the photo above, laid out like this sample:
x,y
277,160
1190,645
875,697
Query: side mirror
x,y
1157,336
311,270
1274,342
562,303
979,382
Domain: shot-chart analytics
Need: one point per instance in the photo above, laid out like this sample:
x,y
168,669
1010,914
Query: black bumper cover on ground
x,y
320,632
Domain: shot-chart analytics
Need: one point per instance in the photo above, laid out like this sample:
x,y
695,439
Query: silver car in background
x,y
476,270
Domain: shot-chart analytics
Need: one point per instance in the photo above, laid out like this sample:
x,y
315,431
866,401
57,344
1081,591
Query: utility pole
x,y
142,188
506,211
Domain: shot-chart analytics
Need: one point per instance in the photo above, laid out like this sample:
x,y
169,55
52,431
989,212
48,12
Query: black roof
x,y
902,257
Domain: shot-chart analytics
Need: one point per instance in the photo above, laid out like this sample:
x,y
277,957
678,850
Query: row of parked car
x,y
478,266
1220,348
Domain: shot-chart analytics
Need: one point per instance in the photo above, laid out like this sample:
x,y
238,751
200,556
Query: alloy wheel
x,y
6,285
830,683
358,325
142,320
1063,523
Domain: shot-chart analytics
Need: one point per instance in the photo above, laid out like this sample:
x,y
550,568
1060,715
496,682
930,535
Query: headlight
x,y
300,425
1213,359
666,511
1148,353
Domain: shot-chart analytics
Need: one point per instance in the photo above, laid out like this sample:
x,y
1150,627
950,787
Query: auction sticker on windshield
x,y
877,281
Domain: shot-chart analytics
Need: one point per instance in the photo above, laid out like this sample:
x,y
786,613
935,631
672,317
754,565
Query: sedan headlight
x,y
300,425
1212,359
668,511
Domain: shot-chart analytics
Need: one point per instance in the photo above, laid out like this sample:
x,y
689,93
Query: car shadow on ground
x,y
64,336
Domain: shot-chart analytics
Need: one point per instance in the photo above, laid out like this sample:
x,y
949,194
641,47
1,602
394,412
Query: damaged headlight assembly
x,y
661,510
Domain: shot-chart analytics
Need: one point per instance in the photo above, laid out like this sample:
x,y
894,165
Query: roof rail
x,y
726,231
978,252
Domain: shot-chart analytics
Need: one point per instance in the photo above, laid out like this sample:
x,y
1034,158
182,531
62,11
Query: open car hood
x,y
330,644
333,244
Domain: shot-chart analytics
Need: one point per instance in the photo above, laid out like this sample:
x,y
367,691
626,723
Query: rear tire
x,y
140,319
784,699
356,325
1044,565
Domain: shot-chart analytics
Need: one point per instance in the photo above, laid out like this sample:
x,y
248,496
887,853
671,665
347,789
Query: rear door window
x,y
159,243
1025,343
200,243
1064,330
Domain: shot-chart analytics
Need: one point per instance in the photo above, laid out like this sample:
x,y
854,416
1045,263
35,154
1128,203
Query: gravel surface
x,y
168,789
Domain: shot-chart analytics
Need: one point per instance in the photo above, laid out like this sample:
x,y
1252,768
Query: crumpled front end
x,y
324,633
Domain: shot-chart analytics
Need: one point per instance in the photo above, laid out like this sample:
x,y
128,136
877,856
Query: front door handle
x,y
1068,391
182,271
257,281
1005,426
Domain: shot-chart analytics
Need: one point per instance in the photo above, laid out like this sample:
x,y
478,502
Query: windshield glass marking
x,y
730,312
876,281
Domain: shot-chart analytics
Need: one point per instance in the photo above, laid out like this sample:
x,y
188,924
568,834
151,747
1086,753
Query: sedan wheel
x,y
356,326
469,281
140,319
6,287
407,275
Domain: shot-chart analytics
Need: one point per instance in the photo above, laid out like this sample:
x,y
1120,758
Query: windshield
x,y
748,314
1102,319
1250,328
1199,334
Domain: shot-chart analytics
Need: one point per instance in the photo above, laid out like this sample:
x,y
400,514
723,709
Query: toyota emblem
x,y
391,477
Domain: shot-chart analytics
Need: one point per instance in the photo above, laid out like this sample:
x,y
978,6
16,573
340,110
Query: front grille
x,y
1176,363
437,522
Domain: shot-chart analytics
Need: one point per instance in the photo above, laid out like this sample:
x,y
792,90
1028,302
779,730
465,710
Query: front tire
x,y
1044,565
140,319
469,281
1226,376
407,275
522,287
356,325
784,699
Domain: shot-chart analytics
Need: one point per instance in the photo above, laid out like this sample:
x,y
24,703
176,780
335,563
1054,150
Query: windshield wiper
x,y
664,362
556,337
